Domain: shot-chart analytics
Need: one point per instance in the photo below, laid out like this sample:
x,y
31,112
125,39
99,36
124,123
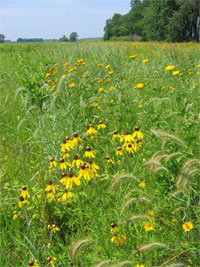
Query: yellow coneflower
x,y
111,88
64,164
148,227
107,67
53,163
101,125
51,187
138,265
47,75
70,179
116,135
173,220
54,229
99,81
90,130
76,140
66,144
89,153
111,72
140,106
108,159
100,89
65,154
58,198
15,215
99,64
49,81
187,226
51,260
127,137
137,145
129,147
169,68
142,185
119,151
108,80
85,172
23,201
33,264
66,195
112,101
150,213
115,239
137,133
64,178
25,192
76,162
114,228
93,166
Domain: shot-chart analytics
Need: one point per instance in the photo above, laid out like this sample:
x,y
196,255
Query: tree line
x,y
159,20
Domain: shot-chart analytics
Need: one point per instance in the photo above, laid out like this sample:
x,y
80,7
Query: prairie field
x,y
99,154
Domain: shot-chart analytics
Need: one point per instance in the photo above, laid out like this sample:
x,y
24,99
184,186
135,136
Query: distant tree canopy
x,y
2,38
64,39
20,40
169,20
73,37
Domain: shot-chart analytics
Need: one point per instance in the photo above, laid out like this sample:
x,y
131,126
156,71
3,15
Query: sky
x,y
51,19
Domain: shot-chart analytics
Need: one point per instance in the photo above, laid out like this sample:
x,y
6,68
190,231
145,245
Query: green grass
x,y
34,120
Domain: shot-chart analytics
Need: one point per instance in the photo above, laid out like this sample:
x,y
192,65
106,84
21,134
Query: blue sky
x,y
54,18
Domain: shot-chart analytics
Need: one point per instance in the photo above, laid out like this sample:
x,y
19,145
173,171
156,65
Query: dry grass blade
x,y
135,218
78,245
160,169
120,264
102,263
169,137
152,245
123,178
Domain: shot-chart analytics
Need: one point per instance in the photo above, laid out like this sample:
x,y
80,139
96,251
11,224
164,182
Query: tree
x,y
64,39
2,38
73,37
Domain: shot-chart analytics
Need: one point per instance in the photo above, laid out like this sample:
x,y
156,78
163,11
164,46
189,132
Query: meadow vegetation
x,y
99,154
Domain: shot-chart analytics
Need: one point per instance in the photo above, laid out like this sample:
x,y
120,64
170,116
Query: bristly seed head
x,y
112,225
88,148
107,157
21,198
75,156
49,190
119,148
70,174
100,122
65,190
49,182
24,188
115,132
63,174
126,132
88,127
49,258
64,140
51,159
14,212
136,128
75,135
61,160
129,145
30,263
67,138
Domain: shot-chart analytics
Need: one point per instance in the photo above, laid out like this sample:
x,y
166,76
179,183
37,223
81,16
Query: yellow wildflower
x,y
132,56
93,166
101,125
90,130
145,60
139,85
33,264
76,162
116,135
47,75
111,88
107,67
66,195
15,215
137,133
85,172
52,88
148,227
100,89
129,147
99,65
173,220
23,201
111,72
175,72
140,106
142,185
127,138
54,229
53,163
108,159
64,164
51,260
169,68
112,101
114,228
25,192
119,151
89,153
187,226
72,85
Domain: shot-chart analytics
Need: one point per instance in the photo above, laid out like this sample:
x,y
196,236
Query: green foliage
x,y
73,37
60,97
64,39
174,20
2,38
